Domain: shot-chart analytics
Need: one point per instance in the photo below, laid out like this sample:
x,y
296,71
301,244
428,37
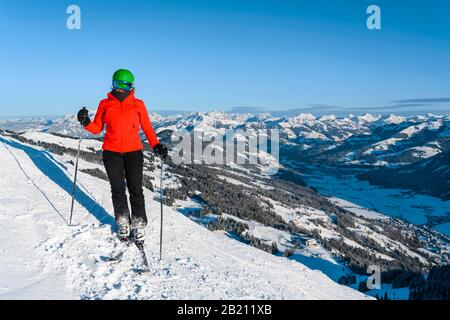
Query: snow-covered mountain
x,y
386,133
430,175
28,123
367,141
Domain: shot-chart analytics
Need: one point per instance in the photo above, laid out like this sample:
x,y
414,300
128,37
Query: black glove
x,y
161,150
83,117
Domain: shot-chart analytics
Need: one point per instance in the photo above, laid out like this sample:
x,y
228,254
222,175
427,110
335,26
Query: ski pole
x,y
161,200
75,179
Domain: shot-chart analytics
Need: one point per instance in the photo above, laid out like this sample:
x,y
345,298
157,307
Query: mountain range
x,y
365,141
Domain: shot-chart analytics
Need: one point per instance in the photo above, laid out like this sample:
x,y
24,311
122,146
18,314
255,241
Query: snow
x,y
301,118
381,163
319,260
53,260
188,204
21,274
329,117
290,134
369,118
352,243
382,145
62,141
155,117
393,119
316,258
25,123
306,217
259,184
313,135
266,234
425,152
234,181
291,214
412,130
384,241
358,210
393,294
403,135
408,132
405,204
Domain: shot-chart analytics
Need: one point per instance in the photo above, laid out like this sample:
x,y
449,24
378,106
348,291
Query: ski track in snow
x,y
43,257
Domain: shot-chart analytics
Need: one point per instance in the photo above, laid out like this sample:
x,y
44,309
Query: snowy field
x,y
63,142
44,258
363,199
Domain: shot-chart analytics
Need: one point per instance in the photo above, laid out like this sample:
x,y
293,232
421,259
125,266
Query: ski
x,y
117,257
140,246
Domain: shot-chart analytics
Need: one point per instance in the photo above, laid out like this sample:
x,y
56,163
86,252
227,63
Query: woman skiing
x,y
123,158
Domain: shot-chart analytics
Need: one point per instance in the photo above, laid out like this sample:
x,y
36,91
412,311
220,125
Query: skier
x,y
122,155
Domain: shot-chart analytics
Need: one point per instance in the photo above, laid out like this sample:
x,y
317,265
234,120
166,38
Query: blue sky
x,y
316,56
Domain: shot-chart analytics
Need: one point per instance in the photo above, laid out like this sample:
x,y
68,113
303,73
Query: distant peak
x,y
393,119
369,117
304,117
329,117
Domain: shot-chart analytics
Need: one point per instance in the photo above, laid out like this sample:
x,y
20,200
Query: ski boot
x,y
124,232
138,225
139,236
123,223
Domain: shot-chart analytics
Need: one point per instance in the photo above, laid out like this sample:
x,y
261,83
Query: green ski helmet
x,y
123,79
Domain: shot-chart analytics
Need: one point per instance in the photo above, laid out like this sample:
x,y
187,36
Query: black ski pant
x,y
126,167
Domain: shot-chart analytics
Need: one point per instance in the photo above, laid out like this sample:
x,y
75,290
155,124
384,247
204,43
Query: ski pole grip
x,y
84,108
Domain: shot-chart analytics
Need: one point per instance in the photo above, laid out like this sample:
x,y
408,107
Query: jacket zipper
x,y
121,127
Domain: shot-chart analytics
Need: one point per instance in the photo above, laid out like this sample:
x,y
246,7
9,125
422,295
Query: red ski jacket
x,y
123,120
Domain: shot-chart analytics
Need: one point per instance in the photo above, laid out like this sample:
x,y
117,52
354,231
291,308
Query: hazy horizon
x,y
278,113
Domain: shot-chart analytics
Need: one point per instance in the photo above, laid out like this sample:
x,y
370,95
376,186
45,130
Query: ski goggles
x,y
122,85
